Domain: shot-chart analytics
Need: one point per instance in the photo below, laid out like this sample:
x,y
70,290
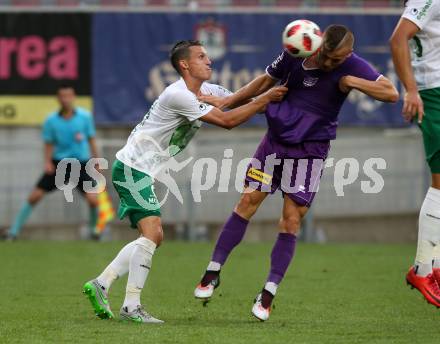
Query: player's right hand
x,y
412,106
49,167
276,94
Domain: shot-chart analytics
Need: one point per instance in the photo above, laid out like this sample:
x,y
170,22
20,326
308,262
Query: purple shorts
x,y
295,169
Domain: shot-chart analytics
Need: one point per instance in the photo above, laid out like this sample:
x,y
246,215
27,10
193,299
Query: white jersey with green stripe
x,y
168,126
425,46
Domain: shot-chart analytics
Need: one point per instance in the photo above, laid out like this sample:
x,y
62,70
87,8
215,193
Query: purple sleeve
x,y
280,67
362,69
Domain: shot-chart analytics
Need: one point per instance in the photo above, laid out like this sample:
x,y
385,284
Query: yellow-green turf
x,y
331,294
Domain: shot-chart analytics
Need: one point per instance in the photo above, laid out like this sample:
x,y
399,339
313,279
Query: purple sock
x,y
282,254
231,235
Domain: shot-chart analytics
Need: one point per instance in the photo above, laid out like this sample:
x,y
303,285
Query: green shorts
x,y
136,192
431,127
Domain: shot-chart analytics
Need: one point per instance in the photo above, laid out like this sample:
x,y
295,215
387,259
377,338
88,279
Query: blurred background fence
x,y
389,215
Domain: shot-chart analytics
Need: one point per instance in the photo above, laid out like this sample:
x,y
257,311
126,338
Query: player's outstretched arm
x,y
235,117
253,89
405,30
381,89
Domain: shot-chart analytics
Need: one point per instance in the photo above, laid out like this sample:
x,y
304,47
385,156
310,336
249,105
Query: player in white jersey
x,y
166,129
416,42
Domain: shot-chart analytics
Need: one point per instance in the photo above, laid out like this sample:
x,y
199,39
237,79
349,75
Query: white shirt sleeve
x,y
217,90
420,12
186,104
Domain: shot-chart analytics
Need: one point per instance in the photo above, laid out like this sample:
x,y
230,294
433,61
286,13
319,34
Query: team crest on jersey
x,y
310,81
213,37
414,11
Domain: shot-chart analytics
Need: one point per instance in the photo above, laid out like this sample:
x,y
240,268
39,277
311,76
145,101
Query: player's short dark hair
x,y
180,51
64,86
333,36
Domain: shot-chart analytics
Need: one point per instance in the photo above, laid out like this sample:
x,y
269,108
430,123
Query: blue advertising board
x,y
131,66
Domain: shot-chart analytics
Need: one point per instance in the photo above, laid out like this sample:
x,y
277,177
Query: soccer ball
x,y
302,38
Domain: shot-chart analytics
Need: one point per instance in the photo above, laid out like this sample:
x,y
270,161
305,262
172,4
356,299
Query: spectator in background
x,y
67,133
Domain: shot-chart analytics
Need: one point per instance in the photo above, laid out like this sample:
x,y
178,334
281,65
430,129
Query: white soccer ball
x,y
302,38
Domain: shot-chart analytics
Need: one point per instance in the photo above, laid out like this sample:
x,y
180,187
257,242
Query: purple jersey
x,y
309,112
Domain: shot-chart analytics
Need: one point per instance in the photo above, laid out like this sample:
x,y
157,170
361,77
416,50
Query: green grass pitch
x,y
331,294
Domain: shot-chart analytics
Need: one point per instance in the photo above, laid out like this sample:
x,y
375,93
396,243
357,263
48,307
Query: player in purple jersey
x,y
291,154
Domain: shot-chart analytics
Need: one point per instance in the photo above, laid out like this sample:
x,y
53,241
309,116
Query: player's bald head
x,y
336,37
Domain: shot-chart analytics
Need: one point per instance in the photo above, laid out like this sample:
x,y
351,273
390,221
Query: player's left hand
x,y
276,93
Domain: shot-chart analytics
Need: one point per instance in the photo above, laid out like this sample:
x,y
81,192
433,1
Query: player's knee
x,y
247,205
157,231
160,237
436,180
290,224
157,235
35,197
152,229
92,199
93,202
32,200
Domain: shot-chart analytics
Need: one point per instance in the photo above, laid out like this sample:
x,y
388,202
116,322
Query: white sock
x,y
118,267
429,231
139,266
436,257
213,266
422,269
271,287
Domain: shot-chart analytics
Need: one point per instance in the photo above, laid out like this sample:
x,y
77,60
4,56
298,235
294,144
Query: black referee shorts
x,y
47,181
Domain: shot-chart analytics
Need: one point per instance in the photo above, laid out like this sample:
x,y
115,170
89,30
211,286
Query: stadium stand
x,y
205,3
